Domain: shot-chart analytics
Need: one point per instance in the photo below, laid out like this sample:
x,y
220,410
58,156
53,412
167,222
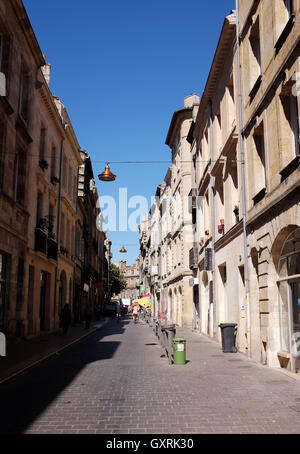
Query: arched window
x,y
289,291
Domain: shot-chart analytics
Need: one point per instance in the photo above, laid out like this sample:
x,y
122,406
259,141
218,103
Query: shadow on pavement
x,y
25,397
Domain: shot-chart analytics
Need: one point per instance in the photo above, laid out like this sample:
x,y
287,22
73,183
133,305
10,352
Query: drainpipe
x,y
242,152
213,235
196,236
198,242
58,226
160,260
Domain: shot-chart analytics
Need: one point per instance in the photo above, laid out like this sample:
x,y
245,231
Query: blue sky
x,y
122,68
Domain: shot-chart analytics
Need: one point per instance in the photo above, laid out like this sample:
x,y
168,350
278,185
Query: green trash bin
x,y
179,350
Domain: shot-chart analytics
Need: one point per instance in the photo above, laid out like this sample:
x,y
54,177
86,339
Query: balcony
x,y
40,243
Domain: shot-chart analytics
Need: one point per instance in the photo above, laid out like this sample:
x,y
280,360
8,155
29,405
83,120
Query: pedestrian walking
x,y
65,318
88,317
118,310
135,313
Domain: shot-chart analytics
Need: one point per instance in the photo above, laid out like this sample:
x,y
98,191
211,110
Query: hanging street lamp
x,y
123,250
107,175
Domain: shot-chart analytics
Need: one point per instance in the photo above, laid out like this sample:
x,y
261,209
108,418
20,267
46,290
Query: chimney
x,y
191,100
46,71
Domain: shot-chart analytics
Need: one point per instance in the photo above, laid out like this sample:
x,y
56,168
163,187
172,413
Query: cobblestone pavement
x,y
116,381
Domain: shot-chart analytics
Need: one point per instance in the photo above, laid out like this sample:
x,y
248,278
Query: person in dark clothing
x,y
88,317
65,318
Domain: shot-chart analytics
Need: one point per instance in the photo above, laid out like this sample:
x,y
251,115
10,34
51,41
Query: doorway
x,y
43,295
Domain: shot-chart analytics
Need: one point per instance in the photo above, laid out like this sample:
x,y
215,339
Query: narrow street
x,y
116,381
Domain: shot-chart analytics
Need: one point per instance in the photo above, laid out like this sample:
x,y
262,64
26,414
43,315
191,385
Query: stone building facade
x,y
144,258
167,237
23,173
270,67
244,259
131,274
258,290
39,208
217,257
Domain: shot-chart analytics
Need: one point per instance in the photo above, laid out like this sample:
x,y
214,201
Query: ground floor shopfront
x,y
12,278
268,317
39,310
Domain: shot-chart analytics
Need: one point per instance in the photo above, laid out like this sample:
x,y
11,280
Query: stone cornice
x,y
273,204
29,34
226,41
47,99
179,277
68,205
229,236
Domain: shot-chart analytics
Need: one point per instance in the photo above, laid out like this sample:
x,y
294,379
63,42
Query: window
x,y
68,238
218,131
64,172
77,242
254,55
230,105
4,54
70,178
219,197
51,220
20,282
290,108
24,93
259,164
1,153
53,162
72,240
74,189
42,144
1,51
223,273
62,230
3,290
284,21
39,207
20,177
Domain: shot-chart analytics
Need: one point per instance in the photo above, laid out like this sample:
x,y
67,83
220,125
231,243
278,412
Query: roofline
x,y
25,24
227,32
174,122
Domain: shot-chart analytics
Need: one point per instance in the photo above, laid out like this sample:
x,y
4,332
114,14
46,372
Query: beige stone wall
x,y
269,119
31,134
